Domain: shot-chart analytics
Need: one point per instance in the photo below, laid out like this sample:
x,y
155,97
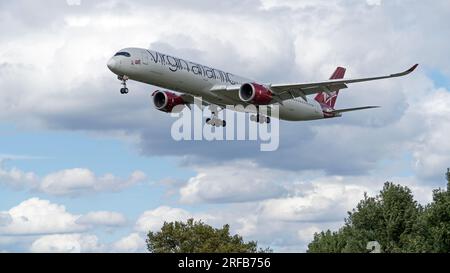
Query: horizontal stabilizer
x,y
353,109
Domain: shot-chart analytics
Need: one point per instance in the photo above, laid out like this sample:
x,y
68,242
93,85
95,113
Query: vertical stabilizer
x,y
329,98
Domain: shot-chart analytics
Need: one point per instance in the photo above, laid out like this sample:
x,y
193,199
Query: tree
x,y
433,229
197,237
388,218
327,242
395,220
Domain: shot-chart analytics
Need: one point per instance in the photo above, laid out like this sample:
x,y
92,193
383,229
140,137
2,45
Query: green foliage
x,y
197,237
395,220
433,229
327,242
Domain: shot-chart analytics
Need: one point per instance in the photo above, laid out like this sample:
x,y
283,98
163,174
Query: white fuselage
x,y
183,76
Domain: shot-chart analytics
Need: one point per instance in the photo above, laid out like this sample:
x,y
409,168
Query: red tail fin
x,y
323,97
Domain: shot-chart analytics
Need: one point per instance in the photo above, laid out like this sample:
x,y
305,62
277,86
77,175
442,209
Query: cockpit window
x,y
126,54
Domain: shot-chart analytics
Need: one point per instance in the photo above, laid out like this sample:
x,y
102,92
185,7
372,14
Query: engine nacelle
x,y
165,101
255,93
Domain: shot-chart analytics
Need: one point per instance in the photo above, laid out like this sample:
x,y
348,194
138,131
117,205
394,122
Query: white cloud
x,y
307,234
154,219
17,179
102,218
324,202
373,2
79,181
41,226
73,2
37,216
66,243
237,182
294,4
131,243
246,224
72,182
431,150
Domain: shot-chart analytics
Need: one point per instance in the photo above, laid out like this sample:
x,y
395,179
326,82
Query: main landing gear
x,y
123,79
260,118
214,120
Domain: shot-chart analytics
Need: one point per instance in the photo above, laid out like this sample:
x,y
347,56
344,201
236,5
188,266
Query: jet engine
x,y
255,93
165,101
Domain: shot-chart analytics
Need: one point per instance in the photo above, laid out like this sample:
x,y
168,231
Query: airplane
x,y
218,88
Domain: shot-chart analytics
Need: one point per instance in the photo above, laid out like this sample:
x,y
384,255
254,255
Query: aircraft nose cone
x,y
112,64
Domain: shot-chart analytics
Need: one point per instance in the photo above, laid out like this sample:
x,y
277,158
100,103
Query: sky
x,y
86,169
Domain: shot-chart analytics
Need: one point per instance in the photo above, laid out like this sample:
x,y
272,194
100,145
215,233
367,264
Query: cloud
x,y
307,234
36,216
154,219
431,150
323,202
81,181
17,179
102,218
38,225
68,182
373,2
133,242
66,243
237,182
246,181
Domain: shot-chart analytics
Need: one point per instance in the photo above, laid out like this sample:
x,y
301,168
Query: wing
x,y
228,91
188,99
288,91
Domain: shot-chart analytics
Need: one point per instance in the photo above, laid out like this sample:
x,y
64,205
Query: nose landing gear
x,y
123,79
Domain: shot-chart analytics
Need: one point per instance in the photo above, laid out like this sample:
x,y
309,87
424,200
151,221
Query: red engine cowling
x,y
165,101
255,93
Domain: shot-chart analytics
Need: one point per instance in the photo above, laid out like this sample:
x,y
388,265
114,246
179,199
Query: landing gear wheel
x,y
208,120
260,118
224,123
